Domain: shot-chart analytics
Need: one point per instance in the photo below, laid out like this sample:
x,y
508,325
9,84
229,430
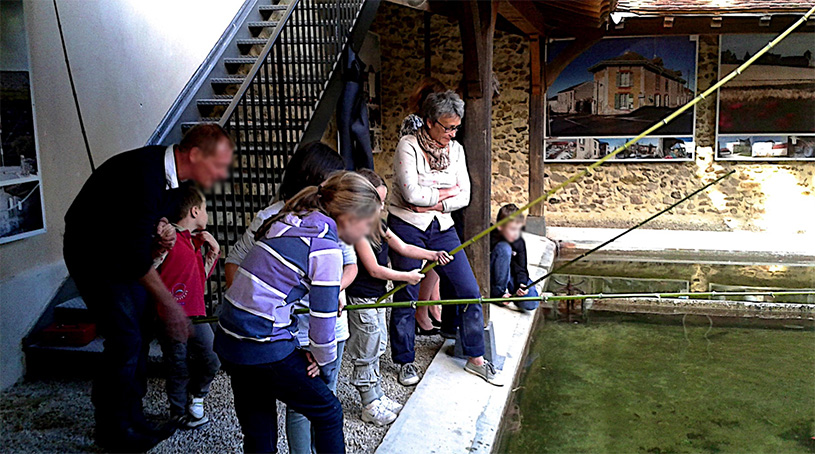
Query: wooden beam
x,y
537,106
477,24
691,25
524,15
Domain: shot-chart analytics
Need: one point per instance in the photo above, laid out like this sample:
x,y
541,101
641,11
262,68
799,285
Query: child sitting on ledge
x,y
509,275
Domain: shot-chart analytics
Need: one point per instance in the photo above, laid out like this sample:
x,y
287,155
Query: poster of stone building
x,y
768,112
21,208
370,54
615,90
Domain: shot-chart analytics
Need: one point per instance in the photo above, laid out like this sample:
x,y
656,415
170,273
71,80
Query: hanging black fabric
x,y
352,116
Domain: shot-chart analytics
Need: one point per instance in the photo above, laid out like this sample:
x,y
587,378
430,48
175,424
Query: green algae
x,y
623,387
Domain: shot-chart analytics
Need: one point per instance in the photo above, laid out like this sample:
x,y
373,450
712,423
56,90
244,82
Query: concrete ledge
x,y
452,411
683,246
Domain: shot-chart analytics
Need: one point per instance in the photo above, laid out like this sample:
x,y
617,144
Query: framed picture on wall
x,y
21,203
767,113
615,90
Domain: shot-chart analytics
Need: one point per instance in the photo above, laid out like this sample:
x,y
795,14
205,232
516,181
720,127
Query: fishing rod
x,y
736,72
617,237
544,298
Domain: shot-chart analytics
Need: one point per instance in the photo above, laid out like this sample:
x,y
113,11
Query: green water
x,y
626,387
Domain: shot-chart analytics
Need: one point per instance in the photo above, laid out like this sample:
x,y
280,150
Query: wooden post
x,y
537,108
477,25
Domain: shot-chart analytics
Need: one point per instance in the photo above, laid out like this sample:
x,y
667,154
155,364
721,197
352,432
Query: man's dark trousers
x,y
124,315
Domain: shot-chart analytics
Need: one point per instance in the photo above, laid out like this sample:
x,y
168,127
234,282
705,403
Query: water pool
x,y
624,384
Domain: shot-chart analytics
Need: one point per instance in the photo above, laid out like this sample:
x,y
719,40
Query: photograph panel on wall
x,y
768,111
371,55
586,149
618,88
21,208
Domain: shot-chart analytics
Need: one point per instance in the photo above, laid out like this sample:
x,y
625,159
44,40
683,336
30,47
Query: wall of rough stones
x,y
401,34
759,197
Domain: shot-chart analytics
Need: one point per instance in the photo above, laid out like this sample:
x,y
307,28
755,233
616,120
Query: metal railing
x,y
271,110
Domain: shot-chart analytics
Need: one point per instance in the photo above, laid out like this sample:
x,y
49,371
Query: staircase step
x,y
274,125
225,101
262,24
239,81
263,41
72,311
252,60
273,7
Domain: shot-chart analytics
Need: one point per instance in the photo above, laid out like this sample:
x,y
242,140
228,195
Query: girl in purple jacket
x,y
296,253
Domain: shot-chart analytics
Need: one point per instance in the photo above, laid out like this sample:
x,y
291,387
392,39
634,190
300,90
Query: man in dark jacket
x,y
110,235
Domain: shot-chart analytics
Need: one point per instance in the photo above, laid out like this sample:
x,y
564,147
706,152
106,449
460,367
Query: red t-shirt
x,y
184,274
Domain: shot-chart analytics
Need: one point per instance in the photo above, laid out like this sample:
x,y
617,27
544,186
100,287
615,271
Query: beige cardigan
x,y
417,185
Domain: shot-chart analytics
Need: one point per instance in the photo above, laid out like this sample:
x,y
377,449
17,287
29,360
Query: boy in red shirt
x,y
191,365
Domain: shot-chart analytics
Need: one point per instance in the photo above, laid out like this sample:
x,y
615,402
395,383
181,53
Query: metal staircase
x,y
273,86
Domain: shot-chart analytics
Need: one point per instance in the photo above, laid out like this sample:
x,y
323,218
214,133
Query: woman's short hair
x,y
310,166
443,104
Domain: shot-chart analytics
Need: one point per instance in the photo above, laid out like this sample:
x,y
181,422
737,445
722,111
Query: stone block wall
x,y
401,34
775,197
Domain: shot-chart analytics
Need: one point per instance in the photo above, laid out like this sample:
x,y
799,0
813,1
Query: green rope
x,y
544,298
611,155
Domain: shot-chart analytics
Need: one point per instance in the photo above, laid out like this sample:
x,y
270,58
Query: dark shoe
x,y
129,441
447,335
189,421
426,332
436,323
159,431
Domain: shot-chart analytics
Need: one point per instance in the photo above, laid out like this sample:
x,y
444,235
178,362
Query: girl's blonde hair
x,y
342,193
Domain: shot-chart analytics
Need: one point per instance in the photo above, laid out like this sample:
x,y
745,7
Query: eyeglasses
x,y
449,129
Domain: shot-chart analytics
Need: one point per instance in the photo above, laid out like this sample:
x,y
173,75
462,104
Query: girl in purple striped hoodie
x,y
296,253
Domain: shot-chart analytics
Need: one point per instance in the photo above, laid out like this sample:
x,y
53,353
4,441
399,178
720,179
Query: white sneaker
x,y
196,408
390,404
377,413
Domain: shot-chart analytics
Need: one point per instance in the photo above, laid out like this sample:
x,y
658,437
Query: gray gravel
x,y
57,416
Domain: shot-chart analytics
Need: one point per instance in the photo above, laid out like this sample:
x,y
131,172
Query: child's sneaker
x,y
195,416
377,413
390,404
408,374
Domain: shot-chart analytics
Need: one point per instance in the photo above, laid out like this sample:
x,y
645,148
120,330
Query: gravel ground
x,y
57,416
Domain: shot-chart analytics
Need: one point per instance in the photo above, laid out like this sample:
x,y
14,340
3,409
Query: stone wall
x,y
401,34
772,197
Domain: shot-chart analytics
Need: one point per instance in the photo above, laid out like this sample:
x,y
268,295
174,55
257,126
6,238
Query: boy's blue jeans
x,y
501,279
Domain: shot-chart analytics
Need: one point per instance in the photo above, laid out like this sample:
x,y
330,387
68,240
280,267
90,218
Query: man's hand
x,y
165,234
313,368
175,320
210,241
443,258
169,311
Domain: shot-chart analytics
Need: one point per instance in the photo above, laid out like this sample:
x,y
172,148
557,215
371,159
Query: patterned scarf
x,y
438,155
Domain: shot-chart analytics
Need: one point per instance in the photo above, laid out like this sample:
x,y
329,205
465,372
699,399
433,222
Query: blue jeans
x,y
299,433
501,279
456,281
257,388
191,367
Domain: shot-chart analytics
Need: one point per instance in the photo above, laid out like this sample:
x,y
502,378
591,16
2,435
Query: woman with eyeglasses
x,y
431,181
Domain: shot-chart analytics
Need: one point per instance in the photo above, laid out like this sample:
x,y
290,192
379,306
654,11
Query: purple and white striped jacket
x,y
299,255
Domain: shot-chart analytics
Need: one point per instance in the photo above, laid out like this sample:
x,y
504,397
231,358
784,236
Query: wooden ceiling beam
x,y
524,15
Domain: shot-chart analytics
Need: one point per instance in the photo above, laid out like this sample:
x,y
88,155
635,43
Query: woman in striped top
x,y
296,254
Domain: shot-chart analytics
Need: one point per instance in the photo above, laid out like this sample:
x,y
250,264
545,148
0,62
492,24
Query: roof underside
x,y
707,7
